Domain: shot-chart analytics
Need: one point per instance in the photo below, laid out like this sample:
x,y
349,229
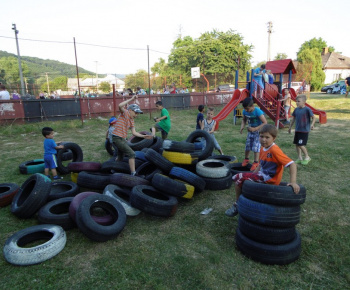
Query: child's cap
x,y
112,120
135,108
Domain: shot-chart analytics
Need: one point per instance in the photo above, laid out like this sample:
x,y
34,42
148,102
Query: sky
x,y
112,36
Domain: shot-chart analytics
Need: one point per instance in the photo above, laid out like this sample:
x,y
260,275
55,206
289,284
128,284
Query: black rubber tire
x,y
238,168
169,186
149,200
109,148
123,196
178,146
204,154
128,180
115,166
137,143
84,166
77,156
157,144
189,177
94,230
32,195
157,159
229,159
93,180
218,183
273,194
269,254
16,254
268,214
62,189
212,168
56,212
68,155
77,200
140,155
7,193
267,235
148,169
32,166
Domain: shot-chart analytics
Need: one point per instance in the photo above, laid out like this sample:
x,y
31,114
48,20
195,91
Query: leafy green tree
x,y
9,67
319,44
105,87
311,62
139,79
280,56
59,83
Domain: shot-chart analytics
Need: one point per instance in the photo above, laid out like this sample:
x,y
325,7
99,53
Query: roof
x,y
282,66
333,60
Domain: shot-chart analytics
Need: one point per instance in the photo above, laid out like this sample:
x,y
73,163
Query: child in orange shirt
x,y
270,168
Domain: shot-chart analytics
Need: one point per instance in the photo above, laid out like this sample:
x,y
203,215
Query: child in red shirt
x,y
270,168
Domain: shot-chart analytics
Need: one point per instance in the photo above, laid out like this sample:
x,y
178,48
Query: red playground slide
x,y
322,116
237,97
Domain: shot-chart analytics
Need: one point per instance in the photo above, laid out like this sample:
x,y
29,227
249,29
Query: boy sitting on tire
x,y
270,168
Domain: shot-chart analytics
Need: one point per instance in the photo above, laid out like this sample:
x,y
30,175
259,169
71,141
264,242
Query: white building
x,y
335,66
91,83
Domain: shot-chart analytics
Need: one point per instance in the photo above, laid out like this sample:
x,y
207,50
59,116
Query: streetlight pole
x,y
19,60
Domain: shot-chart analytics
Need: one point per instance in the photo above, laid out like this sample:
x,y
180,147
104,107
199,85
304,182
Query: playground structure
x,y
268,98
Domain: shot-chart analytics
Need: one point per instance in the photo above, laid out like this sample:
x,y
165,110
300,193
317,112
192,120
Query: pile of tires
x,y
266,229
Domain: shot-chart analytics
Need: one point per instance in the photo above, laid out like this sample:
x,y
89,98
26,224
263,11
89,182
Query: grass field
x,y
189,250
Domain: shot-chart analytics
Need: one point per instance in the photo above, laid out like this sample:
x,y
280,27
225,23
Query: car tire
x,y
282,254
7,192
128,180
273,194
172,187
149,200
329,91
31,196
176,146
84,166
109,148
229,159
56,212
161,162
115,166
62,189
93,230
212,168
268,214
15,253
180,158
77,156
238,168
148,169
93,180
137,143
32,166
189,177
218,183
192,137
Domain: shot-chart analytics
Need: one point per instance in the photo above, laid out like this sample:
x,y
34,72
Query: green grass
x,y
189,250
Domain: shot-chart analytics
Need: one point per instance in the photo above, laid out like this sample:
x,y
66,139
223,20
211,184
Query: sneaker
x,y
298,161
306,161
245,162
232,211
57,177
254,166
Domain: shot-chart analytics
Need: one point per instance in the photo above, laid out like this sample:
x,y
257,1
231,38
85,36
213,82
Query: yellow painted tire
x,y
74,177
179,158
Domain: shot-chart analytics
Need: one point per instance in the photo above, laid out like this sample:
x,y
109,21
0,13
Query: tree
x,y
139,79
218,54
59,83
280,56
10,70
311,67
319,44
105,87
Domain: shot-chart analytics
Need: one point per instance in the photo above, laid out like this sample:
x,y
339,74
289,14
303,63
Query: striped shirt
x,y
124,122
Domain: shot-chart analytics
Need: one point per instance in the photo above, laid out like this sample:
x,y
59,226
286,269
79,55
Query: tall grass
x,y
189,250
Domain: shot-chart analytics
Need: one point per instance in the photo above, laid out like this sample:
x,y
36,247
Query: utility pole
x,y
269,31
19,61
47,82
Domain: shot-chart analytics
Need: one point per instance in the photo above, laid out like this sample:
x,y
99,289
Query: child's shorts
x,y
160,129
50,161
253,143
123,148
286,108
300,138
243,176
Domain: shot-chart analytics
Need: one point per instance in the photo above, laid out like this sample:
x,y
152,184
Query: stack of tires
x,y
268,215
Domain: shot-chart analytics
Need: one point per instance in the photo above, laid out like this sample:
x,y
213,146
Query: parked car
x,y
295,85
334,88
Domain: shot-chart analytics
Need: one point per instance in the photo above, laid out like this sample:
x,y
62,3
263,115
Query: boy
x,y
270,169
209,125
302,116
50,151
109,134
287,102
163,124
200,117
256,120
124,122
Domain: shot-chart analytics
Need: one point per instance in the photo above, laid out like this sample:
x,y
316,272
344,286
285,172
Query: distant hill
x,y
38,67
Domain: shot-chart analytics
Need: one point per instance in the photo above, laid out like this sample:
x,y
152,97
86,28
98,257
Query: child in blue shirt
x,y
256,120
200,117
50,151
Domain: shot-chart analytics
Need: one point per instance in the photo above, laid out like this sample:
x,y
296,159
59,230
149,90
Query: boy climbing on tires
x,y
270,168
